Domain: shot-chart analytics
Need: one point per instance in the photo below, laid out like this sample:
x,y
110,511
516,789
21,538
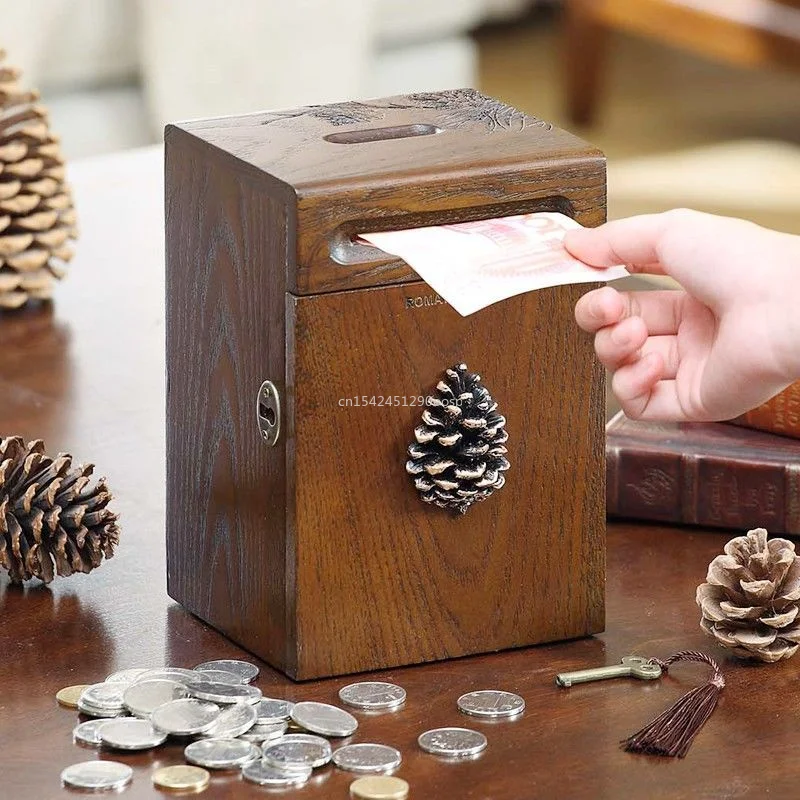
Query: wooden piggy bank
x,y
357,476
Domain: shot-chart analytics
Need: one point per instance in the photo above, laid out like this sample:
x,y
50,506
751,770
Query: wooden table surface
x,y
87,375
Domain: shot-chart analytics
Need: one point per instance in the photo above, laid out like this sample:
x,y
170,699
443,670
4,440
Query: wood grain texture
x,y
485,161
276,555
525,566
93,383
226,534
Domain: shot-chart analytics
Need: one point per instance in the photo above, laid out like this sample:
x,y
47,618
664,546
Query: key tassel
x,y
672,733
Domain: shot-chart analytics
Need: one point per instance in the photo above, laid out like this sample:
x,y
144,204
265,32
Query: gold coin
x,y
69,695
379,787
182,777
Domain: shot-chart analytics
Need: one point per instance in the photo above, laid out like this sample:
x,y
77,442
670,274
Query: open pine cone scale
x,y
37,219
751,599
458,457
52,521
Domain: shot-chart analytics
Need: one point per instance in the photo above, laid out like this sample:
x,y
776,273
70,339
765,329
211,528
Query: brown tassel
x,y
672,733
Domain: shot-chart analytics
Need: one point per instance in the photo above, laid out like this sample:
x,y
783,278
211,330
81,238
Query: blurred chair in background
x,y
679,130
753,33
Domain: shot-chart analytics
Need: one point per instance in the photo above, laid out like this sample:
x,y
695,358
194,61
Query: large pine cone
x,y
51,520
37,219
751,600
459,457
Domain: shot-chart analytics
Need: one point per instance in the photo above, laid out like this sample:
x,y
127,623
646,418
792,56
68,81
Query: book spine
x,y
780,415
699,489
690,483
792,489
612,482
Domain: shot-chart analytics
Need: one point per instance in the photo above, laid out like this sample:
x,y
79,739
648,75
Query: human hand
x,y
724,343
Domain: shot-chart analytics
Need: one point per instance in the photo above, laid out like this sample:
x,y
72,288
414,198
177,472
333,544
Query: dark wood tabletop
x,y
86,373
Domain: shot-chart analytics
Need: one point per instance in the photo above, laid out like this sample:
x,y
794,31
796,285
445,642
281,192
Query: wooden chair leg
x,y
583,60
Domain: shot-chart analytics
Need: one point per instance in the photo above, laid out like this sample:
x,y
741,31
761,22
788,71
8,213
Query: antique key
x,y
631,666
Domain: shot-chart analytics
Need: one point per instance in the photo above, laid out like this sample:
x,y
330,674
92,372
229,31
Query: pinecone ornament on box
x,y
51,519
37,219
751,598
459,455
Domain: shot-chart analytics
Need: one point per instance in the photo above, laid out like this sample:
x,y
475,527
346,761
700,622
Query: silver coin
x,y
104,695
177,674
224,692
143,698
247,672
365,757
131,734
185,717
325,719
232,721
267,732
491,703
298,750
101,713
266,775
215,676
372,695
126,675
221,753
452,742
97,775
272,710
87,732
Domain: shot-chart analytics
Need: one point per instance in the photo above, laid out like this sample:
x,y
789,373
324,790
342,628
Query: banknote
x,y
474,264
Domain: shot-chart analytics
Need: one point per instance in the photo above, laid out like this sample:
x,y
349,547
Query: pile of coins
x,y
230,725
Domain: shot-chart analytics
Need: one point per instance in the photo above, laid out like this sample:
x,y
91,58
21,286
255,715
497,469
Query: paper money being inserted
x,y
475,264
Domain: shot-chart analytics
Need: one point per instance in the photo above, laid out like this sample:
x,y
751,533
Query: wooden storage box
x,y
316,552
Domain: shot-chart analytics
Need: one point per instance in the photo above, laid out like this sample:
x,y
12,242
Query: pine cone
x,y
51,520
751,600
37,219
459,457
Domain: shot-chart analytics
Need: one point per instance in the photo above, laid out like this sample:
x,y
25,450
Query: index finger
x,y
634,242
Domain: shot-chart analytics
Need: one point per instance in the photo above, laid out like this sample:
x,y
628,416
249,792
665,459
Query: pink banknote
x,y
475,264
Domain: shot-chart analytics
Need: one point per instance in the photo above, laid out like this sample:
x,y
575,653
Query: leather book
x,y
780,414
711,474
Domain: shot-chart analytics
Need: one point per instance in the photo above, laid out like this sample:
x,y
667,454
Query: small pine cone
x,y
51,520
37,219
459,457
751,600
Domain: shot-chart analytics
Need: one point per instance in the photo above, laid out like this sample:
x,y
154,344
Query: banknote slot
x,y
346,248
474,264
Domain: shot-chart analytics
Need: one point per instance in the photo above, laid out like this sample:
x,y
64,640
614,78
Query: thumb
x,y
633,242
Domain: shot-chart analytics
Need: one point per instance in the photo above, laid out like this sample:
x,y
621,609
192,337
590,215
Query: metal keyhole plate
x,y
268,413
